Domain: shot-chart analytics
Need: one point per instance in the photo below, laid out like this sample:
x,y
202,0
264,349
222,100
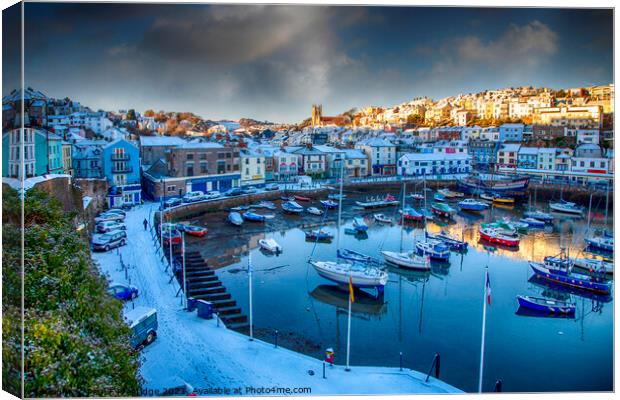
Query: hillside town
x,y
561,135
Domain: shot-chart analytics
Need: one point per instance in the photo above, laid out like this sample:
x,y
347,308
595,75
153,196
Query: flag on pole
x,y
351,293
488,288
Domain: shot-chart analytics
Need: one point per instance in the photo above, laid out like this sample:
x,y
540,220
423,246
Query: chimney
x,y
309,146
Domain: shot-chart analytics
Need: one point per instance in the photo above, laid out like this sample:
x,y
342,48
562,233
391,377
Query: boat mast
x,y
402,216
340,202
589,211
250,293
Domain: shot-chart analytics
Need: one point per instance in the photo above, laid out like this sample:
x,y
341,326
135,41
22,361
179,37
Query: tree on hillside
x,y
131,114
76,343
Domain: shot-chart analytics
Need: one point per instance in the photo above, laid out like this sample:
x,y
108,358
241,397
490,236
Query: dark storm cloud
x,y
272,62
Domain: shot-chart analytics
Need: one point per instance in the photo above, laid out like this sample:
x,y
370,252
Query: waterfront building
x,y
252,168
546,158
34,104
192,166
421,164
507,155
121,167
511,133
312,161
285,166
154,148
381,155
527,158
356,163
483,152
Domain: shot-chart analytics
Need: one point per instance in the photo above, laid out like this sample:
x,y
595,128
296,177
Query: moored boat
x,y
314,211
539,215
439,197
382,218
533,222
472,205
389,200
546,305
409,260
434,249
336,196
487,196
264,204
292,207
253,217
411,214
235,218
494,235
504,200
329,203
442,210
475,184
593,266
417,196
567,278
600,242
452,243
270,245
301,198
352,255
359,275
319,234
359,224
566,207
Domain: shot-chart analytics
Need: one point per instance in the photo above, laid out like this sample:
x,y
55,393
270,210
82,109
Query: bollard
x,y
217,316
276,341
324,370
401,360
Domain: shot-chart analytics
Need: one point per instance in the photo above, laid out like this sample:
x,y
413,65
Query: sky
x,y
272,62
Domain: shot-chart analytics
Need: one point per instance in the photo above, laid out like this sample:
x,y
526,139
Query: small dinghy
x,y
329,204
301,198
541,304
442,210
254,217
353,255
472,205
265,204
505,200
292,207
539,215
487,196
314,211
287,198
270,245
434,249
382,218
235,218
439,197
359,224
452,243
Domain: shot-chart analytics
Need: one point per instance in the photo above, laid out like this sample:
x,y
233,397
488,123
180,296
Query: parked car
x,y
172,203
108,226
110,240
113,216
191,197
234,192
272,186
214,194
115,211
143,324
122,291
250,190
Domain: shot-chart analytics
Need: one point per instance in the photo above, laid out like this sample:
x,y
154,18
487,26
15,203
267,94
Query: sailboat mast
x,y
402,216
340,202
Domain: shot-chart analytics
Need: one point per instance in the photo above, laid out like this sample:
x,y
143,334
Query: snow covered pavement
x,y
214,360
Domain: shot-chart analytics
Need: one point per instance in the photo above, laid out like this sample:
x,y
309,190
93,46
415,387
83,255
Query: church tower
x,y
317,114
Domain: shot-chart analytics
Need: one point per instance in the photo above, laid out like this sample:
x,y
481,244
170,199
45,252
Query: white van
x,y
190,197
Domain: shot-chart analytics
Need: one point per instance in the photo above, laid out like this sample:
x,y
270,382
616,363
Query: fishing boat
x,y
314,211
600,243
359,275
539,215
452,243
382,218
564,276
434,249
510,185
411,214
593,266
566,207
378,202
494,235
329,204
439,197
292,207
319,234
253,217
505,200
417,196
442,210
472,205
409,260
235,218
301,198
533,222
546,305
359,224
270,245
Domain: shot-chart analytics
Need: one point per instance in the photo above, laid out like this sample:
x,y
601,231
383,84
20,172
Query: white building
x,y
471,132
381,155
419,164
285,166
252,168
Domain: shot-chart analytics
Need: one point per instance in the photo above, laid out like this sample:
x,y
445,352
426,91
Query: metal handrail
x,y
435,364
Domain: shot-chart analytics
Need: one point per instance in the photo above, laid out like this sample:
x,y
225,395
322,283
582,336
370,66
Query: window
x,y
171,188
221,167
203,156
247,171
203,167
247,161
190,156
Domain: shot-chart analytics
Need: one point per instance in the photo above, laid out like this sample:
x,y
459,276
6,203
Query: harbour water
x,y
422,314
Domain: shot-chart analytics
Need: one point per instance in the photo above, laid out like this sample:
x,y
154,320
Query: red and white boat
x,y
301,198
494,235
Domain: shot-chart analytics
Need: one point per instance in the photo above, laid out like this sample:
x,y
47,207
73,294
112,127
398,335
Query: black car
x,y
234,192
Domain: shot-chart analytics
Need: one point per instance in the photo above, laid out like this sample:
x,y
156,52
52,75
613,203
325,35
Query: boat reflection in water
x,y
569,290
365,303
526,312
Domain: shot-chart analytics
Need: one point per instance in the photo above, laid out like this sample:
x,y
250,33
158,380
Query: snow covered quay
x,y
213,360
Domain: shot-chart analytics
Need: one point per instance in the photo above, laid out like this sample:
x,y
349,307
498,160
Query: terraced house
x,y
120,161
42,153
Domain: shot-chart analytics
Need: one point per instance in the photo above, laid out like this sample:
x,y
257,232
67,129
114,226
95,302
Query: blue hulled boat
x,y
435,249
439,197
544,305
329,204
254,217
319,234
472,205
604,243
292,207
359,224
564,276
452,243
533,222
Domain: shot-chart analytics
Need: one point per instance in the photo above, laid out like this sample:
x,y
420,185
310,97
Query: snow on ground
x,y
211,358
30,182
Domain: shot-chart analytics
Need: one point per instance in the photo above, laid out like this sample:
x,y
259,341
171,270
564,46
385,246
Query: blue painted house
x,y
120,161
527,158
483,153
511,132
42,153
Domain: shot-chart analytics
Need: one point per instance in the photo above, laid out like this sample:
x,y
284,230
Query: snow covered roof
x,y
376,142
510,147
354,154
161,141
528,150
434,156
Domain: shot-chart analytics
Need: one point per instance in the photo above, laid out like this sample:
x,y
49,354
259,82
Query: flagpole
x,y
250,293
484,321
349,326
